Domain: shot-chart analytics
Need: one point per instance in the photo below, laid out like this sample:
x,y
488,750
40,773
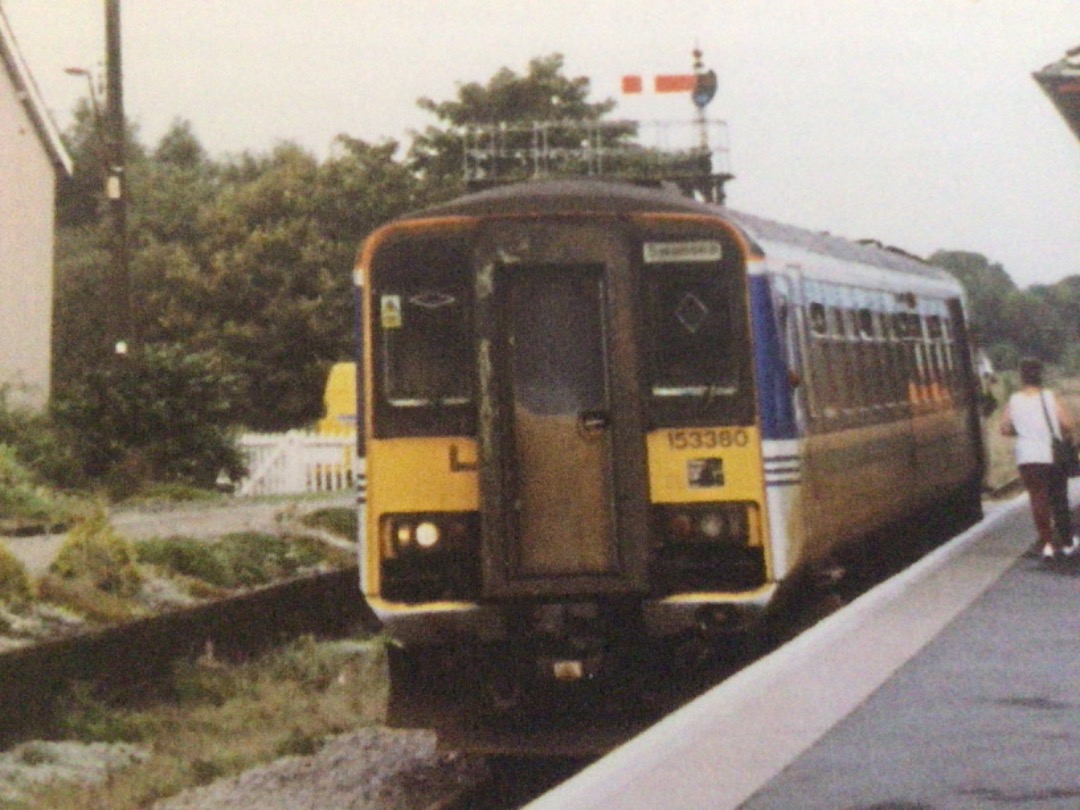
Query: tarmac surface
x,y
953,686
202,520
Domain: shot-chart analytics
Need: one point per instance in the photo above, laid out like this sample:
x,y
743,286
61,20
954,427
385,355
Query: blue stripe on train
x,y
774,389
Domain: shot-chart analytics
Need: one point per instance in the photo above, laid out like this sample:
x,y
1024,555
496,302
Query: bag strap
x,y
1046,413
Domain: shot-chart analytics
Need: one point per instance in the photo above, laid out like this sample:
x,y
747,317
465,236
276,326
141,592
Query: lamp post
x,y
111,126
81,71
115,184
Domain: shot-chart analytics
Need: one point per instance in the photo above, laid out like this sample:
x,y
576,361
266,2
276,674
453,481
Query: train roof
x,y
869,252
568,196
591,196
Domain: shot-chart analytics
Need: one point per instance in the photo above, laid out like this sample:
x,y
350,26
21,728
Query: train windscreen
x,y
700,352
423,339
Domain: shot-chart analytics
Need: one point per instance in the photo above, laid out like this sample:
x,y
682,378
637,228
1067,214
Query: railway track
x,y
122,658
513,782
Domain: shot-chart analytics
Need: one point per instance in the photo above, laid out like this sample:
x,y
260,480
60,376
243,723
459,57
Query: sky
x,y
915,122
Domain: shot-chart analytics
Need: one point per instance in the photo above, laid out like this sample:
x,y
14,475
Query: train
x,y
606,424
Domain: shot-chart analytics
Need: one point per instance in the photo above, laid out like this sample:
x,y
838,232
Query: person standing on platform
x,y
1034,416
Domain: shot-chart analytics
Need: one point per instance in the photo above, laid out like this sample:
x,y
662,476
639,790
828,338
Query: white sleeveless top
x,y
1032,432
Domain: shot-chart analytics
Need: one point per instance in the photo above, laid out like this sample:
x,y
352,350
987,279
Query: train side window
x,y
933,327
866,324
836,322
818,324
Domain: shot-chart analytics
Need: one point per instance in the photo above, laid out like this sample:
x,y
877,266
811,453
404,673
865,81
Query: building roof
x,y
27,92
1061,82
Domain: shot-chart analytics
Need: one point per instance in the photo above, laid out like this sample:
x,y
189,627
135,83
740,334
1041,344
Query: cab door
x,y
562,492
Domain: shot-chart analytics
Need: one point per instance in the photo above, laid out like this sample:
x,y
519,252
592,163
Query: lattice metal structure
x,y
692,154
1061,82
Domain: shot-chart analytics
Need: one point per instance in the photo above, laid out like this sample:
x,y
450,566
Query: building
x,y
1061,82
32,162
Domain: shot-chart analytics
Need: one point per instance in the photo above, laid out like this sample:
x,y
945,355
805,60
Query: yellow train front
x,y
603,424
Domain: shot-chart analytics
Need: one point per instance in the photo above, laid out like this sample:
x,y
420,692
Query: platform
x,y
953,685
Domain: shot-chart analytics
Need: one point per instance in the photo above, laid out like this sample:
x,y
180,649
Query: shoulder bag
x,y
1065,455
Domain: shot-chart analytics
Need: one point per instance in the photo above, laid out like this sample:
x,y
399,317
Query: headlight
x,y
406,534
712,525
427,534
429,556
723,523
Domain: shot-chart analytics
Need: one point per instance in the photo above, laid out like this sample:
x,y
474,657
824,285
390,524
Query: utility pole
x,y
116,182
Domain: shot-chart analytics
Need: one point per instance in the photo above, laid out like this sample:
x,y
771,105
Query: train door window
x,y
700,349
423,339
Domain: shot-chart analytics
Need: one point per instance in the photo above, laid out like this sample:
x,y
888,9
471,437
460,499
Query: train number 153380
x,y
707,439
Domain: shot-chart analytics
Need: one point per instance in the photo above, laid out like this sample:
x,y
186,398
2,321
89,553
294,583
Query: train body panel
x,y
602,420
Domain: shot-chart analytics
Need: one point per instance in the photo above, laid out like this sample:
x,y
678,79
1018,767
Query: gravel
x,y
372,769
40,762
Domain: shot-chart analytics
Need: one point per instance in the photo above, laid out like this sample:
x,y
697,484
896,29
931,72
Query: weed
x,y
16,588
88,719
253,557
299,743
168,493
338,520
231,717
311,551
206,682
96,553
85,600
22,501
189,557
205,771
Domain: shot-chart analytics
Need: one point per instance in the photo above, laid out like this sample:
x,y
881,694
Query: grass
x,y
219,719
338,520
16,589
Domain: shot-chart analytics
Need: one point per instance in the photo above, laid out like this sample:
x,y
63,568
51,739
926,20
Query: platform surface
x,y
954,685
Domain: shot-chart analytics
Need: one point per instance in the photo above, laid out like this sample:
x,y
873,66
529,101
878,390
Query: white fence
x,y
297,461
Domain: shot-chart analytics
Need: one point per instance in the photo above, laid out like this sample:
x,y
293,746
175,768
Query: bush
x,y
254,558
161,414
40,444
82,598
95,553
16,589
22,501
189,557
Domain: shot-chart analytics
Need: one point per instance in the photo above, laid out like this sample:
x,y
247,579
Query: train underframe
x,y
576,678
569,679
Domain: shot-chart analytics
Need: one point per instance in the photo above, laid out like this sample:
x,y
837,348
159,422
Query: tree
x,y
162,414
987,286
544,93
1033,325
